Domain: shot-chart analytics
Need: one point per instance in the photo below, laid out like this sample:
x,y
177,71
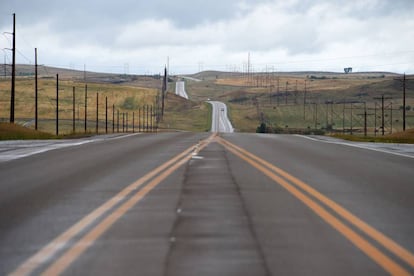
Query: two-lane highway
x,y
200,204
220,121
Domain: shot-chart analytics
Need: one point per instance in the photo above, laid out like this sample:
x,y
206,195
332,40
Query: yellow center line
x,y
86,241
381,259
381,238
60,242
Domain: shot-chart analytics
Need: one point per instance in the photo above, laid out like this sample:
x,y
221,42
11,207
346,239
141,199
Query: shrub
x,y
130,103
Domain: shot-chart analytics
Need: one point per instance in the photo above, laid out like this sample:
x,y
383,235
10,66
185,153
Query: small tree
x,y
261,128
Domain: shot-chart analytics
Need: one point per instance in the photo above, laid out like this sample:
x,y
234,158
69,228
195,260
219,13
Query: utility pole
x,y
151,116
73,109
139,119
163,91
12,96
126,124
97,112
113,118
391,118
365,114
147,118
403,80
375,121
343,118
57,104
117,121
86,107
382,112
352,131
382,115
106,114
365,119
36,110
123,122
404,103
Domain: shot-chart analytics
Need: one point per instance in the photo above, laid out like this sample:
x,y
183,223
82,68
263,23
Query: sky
x,y
141,37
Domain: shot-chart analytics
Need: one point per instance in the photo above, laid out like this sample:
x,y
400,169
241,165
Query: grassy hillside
x,y
317,100
284,101
181,114
124,98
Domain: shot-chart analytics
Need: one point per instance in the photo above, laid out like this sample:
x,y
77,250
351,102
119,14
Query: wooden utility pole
x,y
113,118
151,119
126,122
382,115
123,122
147,110
12,96
73,110
117,121
404,103
106,114
403,80
163,91
57,104
382,112
86,107
36,110
352,131
97,113
139,119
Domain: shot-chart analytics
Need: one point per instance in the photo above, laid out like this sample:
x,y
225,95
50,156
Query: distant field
x,y
331,102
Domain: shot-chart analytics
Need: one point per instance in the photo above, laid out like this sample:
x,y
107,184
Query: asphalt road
x,y
236,204
220,122
180,89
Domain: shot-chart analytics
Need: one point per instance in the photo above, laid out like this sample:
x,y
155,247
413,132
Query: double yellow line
x,y
316,202
67,247
105,216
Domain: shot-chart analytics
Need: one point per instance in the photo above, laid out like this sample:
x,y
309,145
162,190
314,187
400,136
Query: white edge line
x,y
5,158
353,145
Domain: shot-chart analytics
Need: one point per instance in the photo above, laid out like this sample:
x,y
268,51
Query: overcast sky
x,y
137,36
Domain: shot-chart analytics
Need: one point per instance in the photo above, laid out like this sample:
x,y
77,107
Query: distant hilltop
x,y
48,71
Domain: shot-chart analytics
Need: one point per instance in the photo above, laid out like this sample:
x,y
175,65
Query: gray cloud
x,y
216,32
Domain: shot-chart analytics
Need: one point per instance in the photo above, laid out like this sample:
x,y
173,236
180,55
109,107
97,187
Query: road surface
x,y
180,89
200,204
220,122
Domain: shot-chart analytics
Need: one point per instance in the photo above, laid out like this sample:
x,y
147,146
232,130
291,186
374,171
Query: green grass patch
x,y
181,114
16,132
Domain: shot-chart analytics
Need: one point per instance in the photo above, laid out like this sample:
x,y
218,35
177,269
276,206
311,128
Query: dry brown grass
x,y
319,84
406,137
25,100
